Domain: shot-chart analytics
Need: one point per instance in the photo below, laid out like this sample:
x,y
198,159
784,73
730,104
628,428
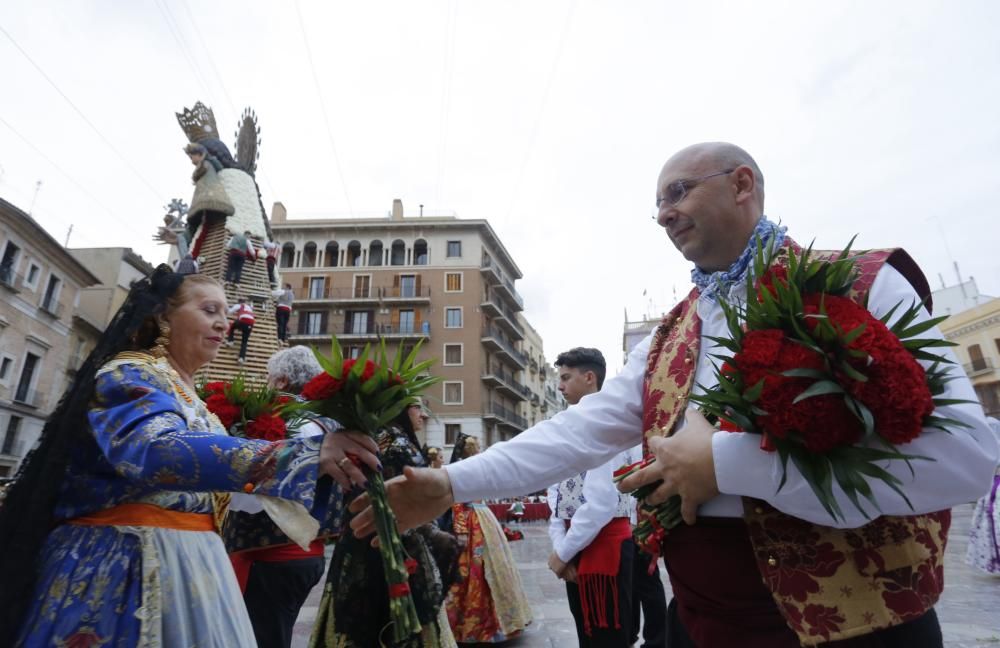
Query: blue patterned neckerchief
x,y
712,284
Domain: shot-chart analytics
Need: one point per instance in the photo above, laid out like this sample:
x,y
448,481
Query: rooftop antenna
x,y
421,211
66,244
959,275
38,186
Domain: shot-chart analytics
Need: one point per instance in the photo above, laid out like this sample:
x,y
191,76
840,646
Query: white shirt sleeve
x,y
963,461
577,439
557,526
600,503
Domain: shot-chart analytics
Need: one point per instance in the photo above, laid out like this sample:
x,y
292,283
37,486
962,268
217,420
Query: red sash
x,y
597,574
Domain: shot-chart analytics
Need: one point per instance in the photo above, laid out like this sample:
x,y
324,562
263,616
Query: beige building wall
x,y
43,337
445,282
541,378
116,268
976,331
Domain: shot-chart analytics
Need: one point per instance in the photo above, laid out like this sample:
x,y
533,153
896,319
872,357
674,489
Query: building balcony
x,y
980,367
368,332
506,289
405,294
502,316
505,416
11,280
490,270
15,448
74,363
357,296
503,381
28,398
497,342
490,307
340,296
52,308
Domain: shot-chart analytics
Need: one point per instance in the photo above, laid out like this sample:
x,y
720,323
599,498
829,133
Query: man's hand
x,y
333,459
565,571
685,463
418,496
557,566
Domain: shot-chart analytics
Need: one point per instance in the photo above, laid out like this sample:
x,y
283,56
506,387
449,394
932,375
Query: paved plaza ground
x,y
969,610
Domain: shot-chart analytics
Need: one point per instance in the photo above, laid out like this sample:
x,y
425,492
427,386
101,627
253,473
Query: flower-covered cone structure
x,y
226,201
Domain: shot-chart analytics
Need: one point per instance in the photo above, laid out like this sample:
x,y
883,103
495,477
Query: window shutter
x,y
395,319
324,318
326,287
305,287
417,285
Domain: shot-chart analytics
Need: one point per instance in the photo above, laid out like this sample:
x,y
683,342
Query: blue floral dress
x,y
151,586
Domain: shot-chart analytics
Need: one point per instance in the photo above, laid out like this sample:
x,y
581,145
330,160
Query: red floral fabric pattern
x,y
829,584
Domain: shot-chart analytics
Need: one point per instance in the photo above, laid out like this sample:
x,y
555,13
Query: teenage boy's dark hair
x,y
584,359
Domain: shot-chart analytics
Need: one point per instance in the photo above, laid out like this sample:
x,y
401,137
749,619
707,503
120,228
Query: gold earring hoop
x,y
162,340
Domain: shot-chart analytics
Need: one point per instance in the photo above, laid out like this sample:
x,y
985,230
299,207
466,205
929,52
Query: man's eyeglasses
x,y
678,189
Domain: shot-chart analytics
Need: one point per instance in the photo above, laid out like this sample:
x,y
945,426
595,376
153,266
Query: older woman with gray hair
x,y
276,574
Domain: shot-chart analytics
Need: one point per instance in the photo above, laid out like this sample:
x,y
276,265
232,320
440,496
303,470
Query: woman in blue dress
x,y
107,536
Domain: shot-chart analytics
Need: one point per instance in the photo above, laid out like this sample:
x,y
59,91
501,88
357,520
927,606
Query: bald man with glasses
x,y
754,566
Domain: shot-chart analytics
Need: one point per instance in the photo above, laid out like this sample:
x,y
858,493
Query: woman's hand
x,y
333,459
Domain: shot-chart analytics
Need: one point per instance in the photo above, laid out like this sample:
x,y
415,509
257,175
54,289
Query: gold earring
x,y
162,340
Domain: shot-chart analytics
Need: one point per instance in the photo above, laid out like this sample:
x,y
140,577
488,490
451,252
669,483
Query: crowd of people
x,y
139,521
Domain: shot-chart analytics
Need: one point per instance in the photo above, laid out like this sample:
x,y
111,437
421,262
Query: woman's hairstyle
x,y
26,511
297,365
194,148
458,452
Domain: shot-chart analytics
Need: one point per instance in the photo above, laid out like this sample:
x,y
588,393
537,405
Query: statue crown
x,y
198,123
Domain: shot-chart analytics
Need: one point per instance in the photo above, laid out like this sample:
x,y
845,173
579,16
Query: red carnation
x,y
774,275
216,387
367,373
321,387
268,427
228,413
822,422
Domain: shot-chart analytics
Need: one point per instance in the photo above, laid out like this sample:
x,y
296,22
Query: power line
x,y
82,116
541,107
66,175
447,75
322,105
176,35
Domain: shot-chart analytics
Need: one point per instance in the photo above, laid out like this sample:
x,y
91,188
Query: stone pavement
x,y
969,610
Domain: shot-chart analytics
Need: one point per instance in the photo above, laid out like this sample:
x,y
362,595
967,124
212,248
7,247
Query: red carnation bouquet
x,y
824,382
366,396
248,410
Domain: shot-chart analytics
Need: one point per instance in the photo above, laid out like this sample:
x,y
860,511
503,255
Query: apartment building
x,y
43,337
445,282
540,377
976,331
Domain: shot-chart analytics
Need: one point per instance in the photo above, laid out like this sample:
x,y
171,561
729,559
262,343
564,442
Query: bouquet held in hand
x,y
366,396
824,382
251,411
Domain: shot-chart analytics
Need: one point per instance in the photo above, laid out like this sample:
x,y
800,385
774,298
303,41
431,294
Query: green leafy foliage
x,y
780,306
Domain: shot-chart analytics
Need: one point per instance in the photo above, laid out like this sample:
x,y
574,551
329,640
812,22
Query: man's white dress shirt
x,y
605,423
590,500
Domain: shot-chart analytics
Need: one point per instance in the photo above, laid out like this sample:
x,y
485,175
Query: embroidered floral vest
x,y
570,497
829,584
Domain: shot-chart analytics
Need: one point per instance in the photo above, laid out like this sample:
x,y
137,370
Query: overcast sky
x,y
549,118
